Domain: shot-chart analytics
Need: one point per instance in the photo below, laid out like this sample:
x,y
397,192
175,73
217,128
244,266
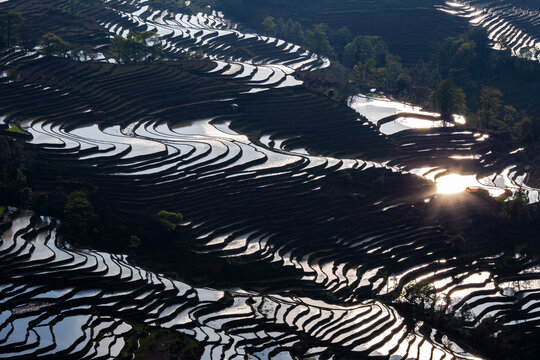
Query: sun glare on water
x,y
454,183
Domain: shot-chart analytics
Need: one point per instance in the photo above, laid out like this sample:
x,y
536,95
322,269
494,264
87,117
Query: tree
x,y
298,32
53,44
362,48
517,209
403,81
292,31
527,129
369,75
11,28
449,99
421,293
465,55
363,70
318,41
78,216
340,38
509,114
134,242
138,46
490,104
5,151
83,52
349,53
169,220
269,26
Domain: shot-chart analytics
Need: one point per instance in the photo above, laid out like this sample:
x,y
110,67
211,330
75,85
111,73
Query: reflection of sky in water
x,y
405,123
375,109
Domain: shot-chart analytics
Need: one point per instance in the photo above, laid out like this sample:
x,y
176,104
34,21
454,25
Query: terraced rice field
x,y
50,290
411,28
518,22
256,164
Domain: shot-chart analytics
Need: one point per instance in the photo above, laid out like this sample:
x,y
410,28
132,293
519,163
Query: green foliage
x,y
403,81
289,30
490,105
134,242
138,46
14,128
13,173
53,44
458,241
369,75
78,217
340,38
10,26
145,343
421,293
527,129
362,48
448,99
5,150
517,209
466,60
318,41
509,114
269,26
169,220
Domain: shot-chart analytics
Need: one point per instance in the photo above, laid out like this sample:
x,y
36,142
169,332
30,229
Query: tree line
x,y
138,46
456,79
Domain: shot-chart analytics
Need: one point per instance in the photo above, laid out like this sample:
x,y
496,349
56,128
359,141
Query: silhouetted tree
x,y
269,26
318,41
10,28
138,46
78,216
53,44
449,99
490,104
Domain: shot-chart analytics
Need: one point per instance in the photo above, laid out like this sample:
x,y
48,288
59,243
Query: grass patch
x,y
14,128
2,210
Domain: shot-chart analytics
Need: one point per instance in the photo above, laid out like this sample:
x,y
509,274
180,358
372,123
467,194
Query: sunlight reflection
x,y
454,183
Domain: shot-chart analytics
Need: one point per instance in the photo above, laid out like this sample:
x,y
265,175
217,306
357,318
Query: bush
x,y
169,220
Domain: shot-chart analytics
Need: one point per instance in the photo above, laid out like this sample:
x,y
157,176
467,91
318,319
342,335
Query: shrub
x,y
169,220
